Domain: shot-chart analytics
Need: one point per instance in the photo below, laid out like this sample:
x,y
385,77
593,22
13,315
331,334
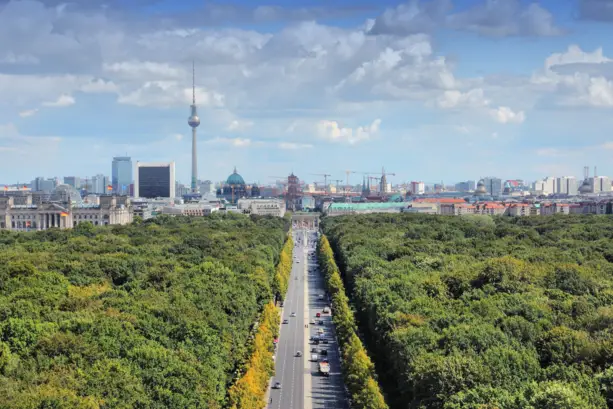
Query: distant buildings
x,y
567,185
41,184
468,186
73,181
64,209
262,207
99,184
418,188
206,186
121,175
236,188
154,179
493,185
600,184
307,203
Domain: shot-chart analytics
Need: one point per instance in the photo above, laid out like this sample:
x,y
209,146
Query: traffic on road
x,y
309,380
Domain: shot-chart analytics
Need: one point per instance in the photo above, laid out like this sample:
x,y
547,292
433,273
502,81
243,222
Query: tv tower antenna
x,y
193,122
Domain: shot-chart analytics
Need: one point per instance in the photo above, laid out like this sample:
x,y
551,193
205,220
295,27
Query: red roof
x,y
440,200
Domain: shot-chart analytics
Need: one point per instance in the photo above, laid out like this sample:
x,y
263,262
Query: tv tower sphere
x,y
193,120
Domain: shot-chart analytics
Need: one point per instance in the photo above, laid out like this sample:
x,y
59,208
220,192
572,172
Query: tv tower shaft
x,y
193,122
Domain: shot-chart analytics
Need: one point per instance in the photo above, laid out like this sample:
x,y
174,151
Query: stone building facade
x,y
30,213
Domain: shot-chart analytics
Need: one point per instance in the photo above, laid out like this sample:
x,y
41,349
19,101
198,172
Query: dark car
x,y
320,322
286,321
314,350
324,341
323,352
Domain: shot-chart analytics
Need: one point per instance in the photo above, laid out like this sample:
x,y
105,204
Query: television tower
x,y
193,122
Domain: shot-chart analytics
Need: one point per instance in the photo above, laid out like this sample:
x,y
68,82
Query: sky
x,y
432,90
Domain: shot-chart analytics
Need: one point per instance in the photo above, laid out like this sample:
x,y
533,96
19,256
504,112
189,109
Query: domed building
x,y
481,189
585,187
235,188
66,193
507,188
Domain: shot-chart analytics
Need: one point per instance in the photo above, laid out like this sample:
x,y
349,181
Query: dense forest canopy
x,y
481,312
151,315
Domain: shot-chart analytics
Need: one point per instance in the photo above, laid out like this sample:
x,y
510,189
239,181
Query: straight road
x,y
302,387
325,392
289,369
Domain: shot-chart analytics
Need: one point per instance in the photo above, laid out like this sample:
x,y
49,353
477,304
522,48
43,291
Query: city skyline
x,y
502,88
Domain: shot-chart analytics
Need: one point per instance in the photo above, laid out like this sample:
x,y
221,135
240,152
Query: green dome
x,y
235,179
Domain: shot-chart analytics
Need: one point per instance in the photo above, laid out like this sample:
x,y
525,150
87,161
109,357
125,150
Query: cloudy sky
x,y
432,90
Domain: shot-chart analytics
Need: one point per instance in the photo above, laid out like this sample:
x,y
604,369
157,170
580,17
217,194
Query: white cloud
x,y
169,94
506,115
575,55
579,78
471,99
28,113
63,100
334,132
177,136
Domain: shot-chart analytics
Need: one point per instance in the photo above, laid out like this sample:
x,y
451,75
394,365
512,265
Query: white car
x,y
277,385
293,314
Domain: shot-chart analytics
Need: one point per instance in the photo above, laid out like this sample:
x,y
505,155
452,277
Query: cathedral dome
x,y
235,179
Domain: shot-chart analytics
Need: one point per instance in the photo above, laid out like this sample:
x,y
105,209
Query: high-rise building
x,y
418,188
600,184
467,186
193,121
99,184
121,175
41,184
206,187
73,181
493,186
567,185
154,179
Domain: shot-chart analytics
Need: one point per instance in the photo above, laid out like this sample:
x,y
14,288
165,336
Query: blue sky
x,y
432,90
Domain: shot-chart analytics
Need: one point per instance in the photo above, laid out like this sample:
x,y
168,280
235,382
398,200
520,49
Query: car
x,y
318,315
286,321
320,296
293,314
320,322
298,354
323,352
314,350
277,385
324,341
312,322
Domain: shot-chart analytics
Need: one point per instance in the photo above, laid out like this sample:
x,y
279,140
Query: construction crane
x,y
325,175
348,188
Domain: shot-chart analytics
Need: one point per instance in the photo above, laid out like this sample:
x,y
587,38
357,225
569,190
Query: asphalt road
x,y
289,369
302,387
326,392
